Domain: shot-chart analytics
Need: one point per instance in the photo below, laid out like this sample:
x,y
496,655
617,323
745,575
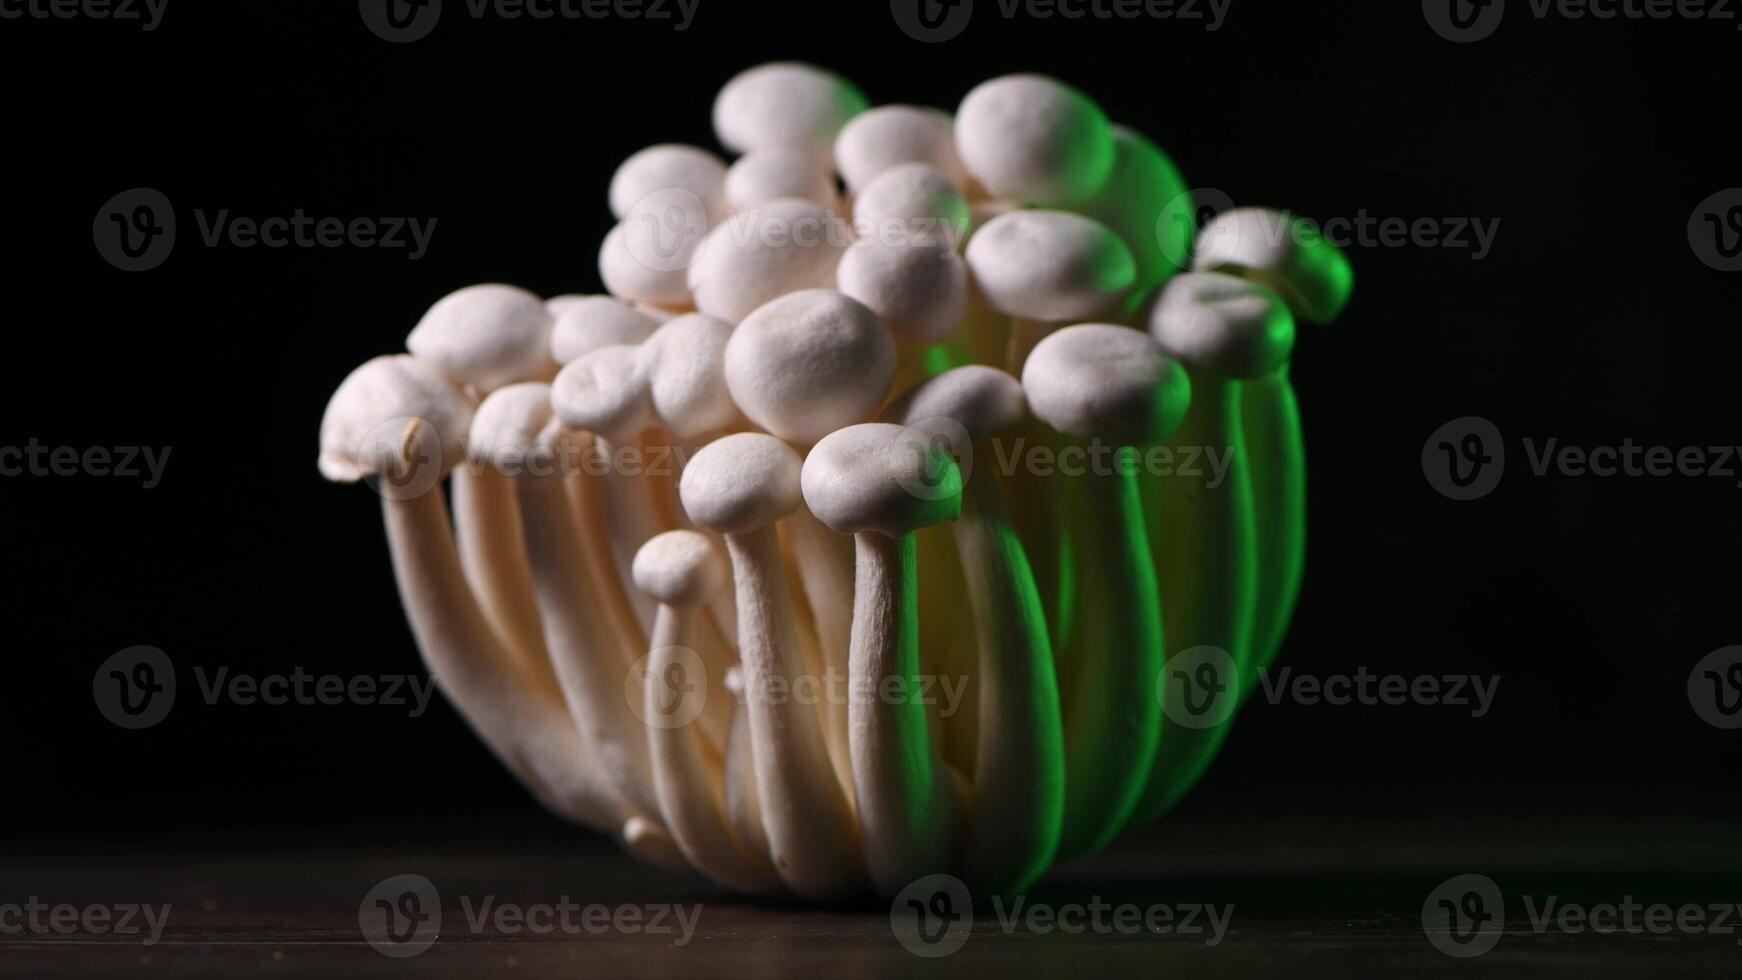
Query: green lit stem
x,y
1278,458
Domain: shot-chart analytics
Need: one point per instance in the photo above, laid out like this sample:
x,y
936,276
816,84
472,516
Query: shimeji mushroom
x,y
681,570
919,289
912,202
587,323
859,481
774,172
394,419
1315,279
1034,140
1019,771
762,254
739,486
1045,268
664,167
784,103
1225,330
892,135
1109,384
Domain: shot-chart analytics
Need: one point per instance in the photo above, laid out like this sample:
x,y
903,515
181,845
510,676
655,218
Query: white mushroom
x,y
1034,140
587,323
664,167
912,202
684,361
1045,268
681,570
918,289
1114,386
647,256
774,172
1283,252
859,481
891,135
1019,772
739,486
808,363
759,255
784,103
485,336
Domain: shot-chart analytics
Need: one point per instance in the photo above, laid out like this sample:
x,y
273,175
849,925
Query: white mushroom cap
x,y
1050,266
982,400
1222,325
604,392
809,363
740,483
682,569
912,201
757,255
685,364
369,412
918,289
486,336
784,103
1097,380
588,323
891,135
861,478
514,427
1135,199
1034,140
1284,253
774,172
556,306
666,166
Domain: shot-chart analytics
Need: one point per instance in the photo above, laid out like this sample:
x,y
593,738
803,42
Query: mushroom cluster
x,y
768,562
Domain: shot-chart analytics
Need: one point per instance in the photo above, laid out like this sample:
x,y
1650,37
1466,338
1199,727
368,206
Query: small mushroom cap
x,y
1034,140
1050,266
982,400
1221,325
775,172
1100,381
757,255
366,419
665,166
556,306
809,363
918,289
604,392
486,336
878,477
685,365
514,427
682,569
741,482
784,103
1283,252
644,260
891,135
588,323
1139,203
912,201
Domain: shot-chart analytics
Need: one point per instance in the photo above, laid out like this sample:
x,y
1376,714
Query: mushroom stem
x,y
1019,772
1277,458
632,518
743,804
587,503
487,526
908,798
1024,334
824,561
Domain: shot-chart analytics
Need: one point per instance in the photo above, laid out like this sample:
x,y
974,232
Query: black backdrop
x,y
1592,320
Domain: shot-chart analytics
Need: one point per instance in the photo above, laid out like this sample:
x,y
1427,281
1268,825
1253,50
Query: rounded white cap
x,y
1050,266
741,482
486,336
1097,380
891,135
784,103
809,363
1034,140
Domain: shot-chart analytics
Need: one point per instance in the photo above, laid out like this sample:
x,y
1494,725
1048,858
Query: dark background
x,y
1591,321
